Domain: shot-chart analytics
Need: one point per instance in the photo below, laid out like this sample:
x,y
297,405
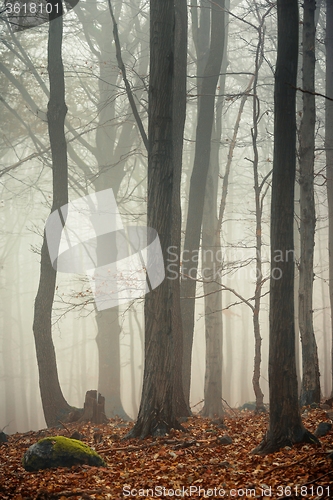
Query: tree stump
x,y
94,408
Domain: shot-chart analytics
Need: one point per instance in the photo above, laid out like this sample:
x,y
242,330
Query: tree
x,y
53,401
179,115
157,409
329,149
211,247
310,389
259,195
285,424
198,184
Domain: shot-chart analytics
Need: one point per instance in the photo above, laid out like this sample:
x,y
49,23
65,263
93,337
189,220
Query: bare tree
x,y
157,409
198,183
53,401
310,390
285,424
329,148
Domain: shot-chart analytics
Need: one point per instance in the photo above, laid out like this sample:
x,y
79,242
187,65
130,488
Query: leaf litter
x,y
191,464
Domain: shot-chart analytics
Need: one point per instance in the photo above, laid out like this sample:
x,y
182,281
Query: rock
x,y
59,451
323,429
98,436
77,435
248,406
329,402
219,422
3,437
224,440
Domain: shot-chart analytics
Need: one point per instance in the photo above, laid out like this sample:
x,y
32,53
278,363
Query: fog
x,y
105,148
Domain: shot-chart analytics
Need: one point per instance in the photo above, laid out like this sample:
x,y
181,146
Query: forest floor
x,y
191,464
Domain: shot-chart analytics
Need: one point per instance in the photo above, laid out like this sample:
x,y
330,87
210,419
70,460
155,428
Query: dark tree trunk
x,y
179,114
285,425
329,151
54,404
198,185
310,390
157,412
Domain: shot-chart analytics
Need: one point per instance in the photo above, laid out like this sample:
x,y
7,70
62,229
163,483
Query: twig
x,y
69,493
283,466
318,478
65,427
141,447
312,93
310,482
198,403
122,68
226,402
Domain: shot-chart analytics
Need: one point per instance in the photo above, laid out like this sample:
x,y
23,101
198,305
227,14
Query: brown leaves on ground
x,y
191,464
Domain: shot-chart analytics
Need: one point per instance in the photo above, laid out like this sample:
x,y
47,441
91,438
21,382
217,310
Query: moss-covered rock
x,y
59,451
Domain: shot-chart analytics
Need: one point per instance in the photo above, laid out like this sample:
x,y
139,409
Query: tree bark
x,y
329,152
285,424
310,389
157,410
179,115
198,185
54,404
259,200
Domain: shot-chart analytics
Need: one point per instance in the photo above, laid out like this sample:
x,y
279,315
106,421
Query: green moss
x,y
59,451
63,445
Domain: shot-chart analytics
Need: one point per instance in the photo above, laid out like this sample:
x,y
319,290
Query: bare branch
x,y
122,68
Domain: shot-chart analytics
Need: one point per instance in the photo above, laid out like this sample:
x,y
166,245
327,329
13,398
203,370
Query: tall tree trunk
x,y
211,274
310,390
329,151
296,286
157,410
111,173
285,424
259,200
53,401
198,185
179,114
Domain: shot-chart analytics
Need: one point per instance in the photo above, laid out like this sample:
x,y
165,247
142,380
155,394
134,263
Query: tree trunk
x,y
111,173
329,152
54,404
198,185
310,390
259,200
179,114
157,411
285,425
211,268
